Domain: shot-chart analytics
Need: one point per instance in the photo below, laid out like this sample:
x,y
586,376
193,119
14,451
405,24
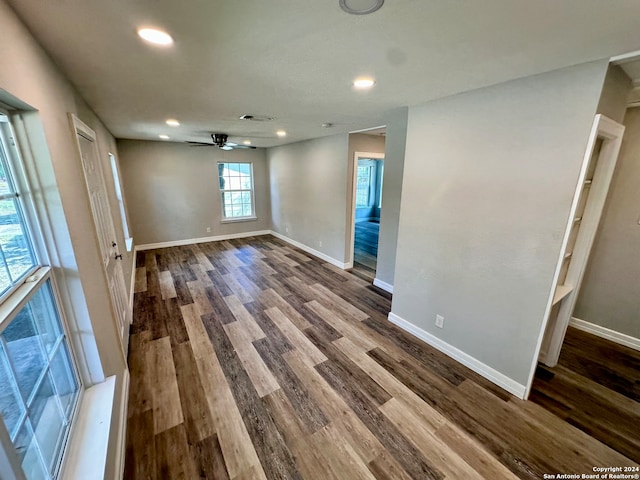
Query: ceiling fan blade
x,y
200,144
231,144
245,147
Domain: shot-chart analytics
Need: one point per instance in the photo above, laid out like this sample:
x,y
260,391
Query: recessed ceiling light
x,y
360,7
363,83
247,142
281,133
155,36
172,122
327,125
164,137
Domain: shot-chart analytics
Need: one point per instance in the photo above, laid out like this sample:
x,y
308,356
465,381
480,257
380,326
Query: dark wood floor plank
x,y
305,407
173,457
208,459
140,456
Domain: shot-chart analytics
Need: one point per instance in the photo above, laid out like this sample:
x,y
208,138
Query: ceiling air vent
x,y
256,118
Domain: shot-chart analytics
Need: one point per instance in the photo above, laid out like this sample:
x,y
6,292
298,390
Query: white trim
x,y
191,241
606,333
310,250
122,427
86,454
132,286
467,360
383,285
625,58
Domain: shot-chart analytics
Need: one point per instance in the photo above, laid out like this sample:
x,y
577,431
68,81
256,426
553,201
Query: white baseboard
x,y
191,241
603,332
122,437
310,250
383,285
467,360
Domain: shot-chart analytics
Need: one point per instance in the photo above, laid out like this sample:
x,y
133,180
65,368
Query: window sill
x,y
240,219
86,455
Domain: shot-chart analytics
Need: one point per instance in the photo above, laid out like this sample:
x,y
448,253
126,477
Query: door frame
x,y
351,232
550,343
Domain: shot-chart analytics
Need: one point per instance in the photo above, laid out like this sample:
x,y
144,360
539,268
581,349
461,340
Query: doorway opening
x,y
589,381
368,175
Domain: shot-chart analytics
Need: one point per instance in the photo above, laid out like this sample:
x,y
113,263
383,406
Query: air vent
x,y
256,118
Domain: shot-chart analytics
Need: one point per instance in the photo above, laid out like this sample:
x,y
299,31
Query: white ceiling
x,y
295,60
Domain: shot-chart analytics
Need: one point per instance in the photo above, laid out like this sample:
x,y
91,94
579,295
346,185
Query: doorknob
x,y
113,244
118,256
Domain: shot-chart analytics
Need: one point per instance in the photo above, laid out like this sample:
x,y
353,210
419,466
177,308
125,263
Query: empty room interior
x,y
348,239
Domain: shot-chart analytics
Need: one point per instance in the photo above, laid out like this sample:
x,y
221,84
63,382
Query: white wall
x,y
28,74
489,177
173,194
308,183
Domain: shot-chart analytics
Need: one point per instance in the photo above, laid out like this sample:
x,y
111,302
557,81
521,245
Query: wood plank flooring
x,y
250,359
365,249
595,387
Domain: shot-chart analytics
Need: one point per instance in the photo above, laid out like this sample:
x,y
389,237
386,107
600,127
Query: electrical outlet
x,y
320,243
208,229
439,321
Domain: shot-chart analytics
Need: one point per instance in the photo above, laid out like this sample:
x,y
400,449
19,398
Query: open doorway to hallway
x,y
368,204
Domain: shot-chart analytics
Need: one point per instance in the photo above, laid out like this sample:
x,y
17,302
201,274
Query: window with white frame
x,y
115,170
39,379
236,189
363,186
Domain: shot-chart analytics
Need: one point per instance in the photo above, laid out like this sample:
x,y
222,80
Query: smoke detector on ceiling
x,y
361,7
256,118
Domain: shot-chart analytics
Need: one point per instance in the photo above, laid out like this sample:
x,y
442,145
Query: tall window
x,y
363,186
115,170
39,382
236,189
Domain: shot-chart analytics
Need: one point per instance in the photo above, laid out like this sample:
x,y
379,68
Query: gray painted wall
x,y
489,177
308,183
395,143
173,194
610,293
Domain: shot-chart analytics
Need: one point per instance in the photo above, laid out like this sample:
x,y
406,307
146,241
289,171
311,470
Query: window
x,y
40,384
236,188
363,185
115,170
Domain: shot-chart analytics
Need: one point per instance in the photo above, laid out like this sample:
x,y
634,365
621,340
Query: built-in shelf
x,y
561,292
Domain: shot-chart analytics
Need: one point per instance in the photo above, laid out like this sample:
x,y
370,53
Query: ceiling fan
x,y
220,141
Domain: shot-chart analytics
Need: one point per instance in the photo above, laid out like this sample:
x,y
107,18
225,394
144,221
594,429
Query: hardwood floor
x,y
595,387
251,359
365,251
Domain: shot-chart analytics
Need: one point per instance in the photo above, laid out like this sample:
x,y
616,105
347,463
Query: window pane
x,y
47,421
246,211
11,407
5,187
44,314
64,380
13,240
25,351
246,197
28,453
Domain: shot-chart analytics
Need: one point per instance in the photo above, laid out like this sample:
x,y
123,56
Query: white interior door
x,y
103,222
